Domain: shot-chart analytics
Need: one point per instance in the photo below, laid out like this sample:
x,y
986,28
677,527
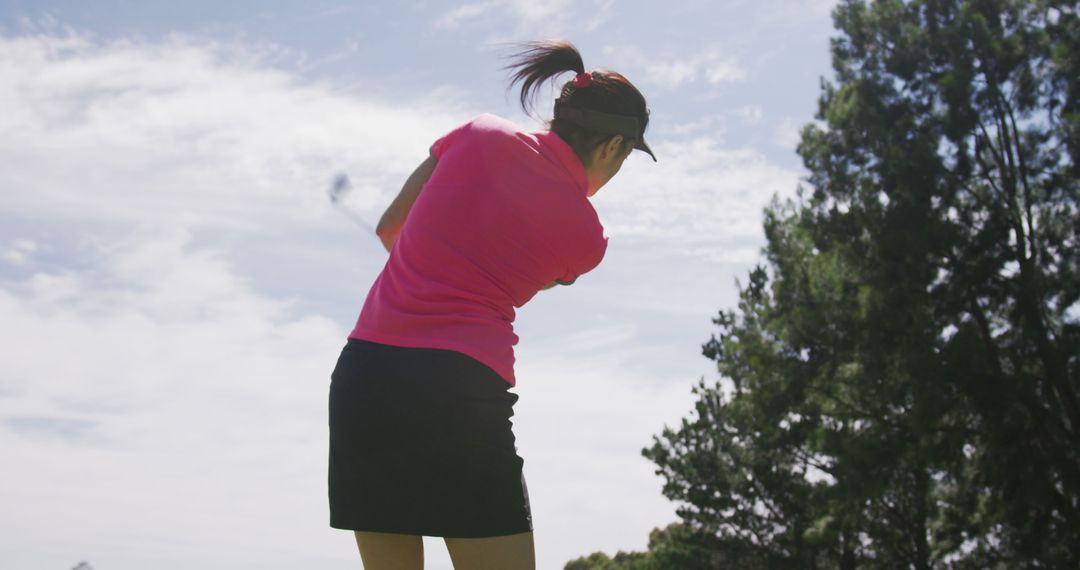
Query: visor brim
x,y
644,146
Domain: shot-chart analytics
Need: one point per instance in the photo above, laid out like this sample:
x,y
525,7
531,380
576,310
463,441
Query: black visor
x,y
625,125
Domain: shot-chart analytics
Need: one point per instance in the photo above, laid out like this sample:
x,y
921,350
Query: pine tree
x,y
901,376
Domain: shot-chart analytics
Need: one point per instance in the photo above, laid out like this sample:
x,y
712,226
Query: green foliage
x,y
675,547
900,377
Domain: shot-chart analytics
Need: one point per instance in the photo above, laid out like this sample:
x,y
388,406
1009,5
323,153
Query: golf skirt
x,y
421,443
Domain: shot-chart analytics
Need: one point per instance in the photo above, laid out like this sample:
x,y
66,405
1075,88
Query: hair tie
x,y
583,79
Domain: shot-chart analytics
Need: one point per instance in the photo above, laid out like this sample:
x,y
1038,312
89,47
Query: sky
x,y
176,286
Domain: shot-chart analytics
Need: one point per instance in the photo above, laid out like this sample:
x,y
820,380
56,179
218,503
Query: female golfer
x,y
420,433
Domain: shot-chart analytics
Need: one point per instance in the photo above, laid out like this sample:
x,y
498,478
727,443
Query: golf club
x,y
338,189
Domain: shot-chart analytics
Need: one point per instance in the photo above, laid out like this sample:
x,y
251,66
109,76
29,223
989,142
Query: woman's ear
x,y
612,146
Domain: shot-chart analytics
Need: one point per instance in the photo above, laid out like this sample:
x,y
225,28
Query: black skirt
x,y
421,443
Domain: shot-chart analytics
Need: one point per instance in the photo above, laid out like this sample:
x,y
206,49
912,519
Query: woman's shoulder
x,y
486,129
495,123
498,135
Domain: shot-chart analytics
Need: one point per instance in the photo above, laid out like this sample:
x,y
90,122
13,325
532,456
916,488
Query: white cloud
x,y
531,11
601,15
700,197
788,133
522,11
715,126
672,73
750,114
723,71
711,65
527,17
455,17
156,386
794,12
184,133
19,251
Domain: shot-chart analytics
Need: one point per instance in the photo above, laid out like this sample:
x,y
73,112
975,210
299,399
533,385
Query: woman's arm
x,y
394,218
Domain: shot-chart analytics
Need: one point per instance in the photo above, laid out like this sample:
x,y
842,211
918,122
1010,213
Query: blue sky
x,y
175,285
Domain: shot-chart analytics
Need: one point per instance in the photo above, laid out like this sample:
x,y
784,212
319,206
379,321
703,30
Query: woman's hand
x,y
556,282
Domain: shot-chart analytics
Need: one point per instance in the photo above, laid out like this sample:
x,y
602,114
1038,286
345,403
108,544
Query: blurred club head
x,y
339,187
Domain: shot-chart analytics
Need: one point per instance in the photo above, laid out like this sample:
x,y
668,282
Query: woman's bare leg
x,y
389,551
511,552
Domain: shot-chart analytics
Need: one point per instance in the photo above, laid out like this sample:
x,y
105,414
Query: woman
x,y
420,434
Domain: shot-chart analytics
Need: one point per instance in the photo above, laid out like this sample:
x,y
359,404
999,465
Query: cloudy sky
x,y
175,285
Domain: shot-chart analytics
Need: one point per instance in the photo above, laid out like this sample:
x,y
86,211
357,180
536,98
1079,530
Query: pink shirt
x,y
504,213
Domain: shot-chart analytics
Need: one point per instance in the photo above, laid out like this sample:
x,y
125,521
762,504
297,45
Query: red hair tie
x,y
583,79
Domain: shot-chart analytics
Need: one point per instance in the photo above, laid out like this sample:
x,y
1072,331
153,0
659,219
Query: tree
x,y
673,547
901,376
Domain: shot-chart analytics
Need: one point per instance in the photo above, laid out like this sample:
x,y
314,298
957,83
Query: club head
x,y
339,187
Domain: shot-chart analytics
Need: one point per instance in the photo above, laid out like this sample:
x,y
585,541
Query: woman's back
x,y
504,213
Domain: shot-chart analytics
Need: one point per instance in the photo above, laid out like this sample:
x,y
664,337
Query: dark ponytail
x,y
540,61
